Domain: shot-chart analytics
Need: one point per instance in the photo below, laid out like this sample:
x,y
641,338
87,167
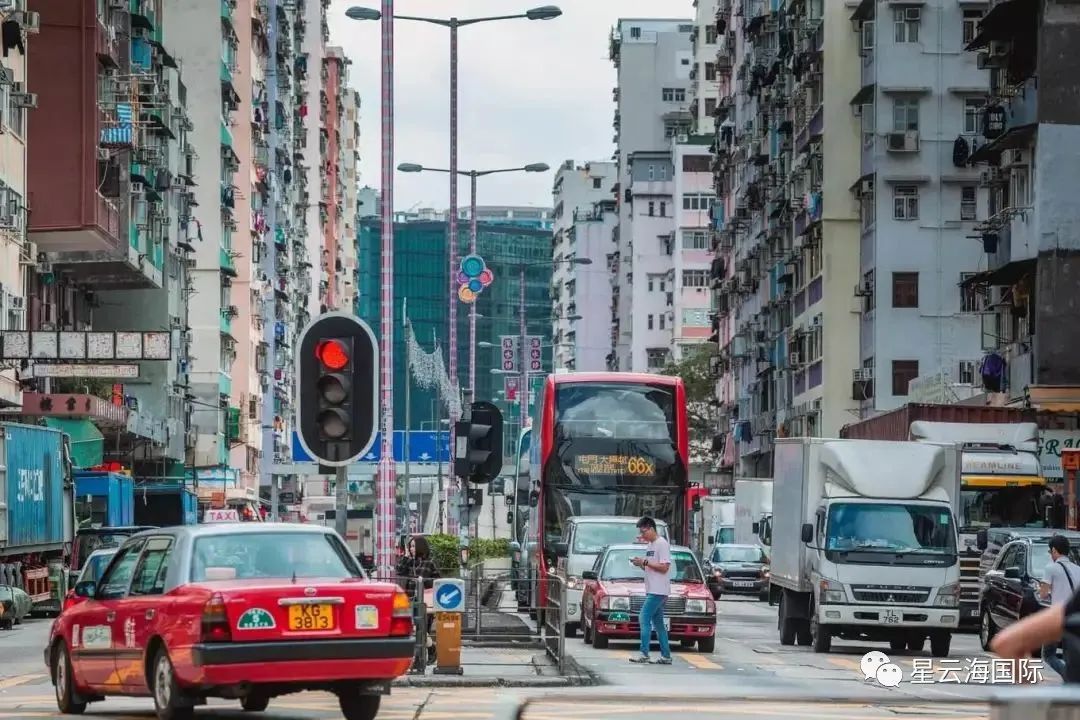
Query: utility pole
x,y
408,416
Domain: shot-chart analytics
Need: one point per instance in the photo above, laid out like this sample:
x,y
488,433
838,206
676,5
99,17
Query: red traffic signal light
x,y
332,354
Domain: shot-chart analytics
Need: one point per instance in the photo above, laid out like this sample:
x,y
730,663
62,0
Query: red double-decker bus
x,y
605,444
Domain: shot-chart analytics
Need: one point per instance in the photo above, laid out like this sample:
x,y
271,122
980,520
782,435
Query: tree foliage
x,y
702,410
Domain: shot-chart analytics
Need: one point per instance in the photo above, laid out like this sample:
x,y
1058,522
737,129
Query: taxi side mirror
x,y
86,589
589,575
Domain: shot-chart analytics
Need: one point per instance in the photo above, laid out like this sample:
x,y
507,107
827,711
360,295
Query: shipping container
x,y
38,515
896,425
166,506
104,499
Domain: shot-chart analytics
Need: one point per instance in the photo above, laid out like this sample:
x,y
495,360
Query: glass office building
x,y
420,277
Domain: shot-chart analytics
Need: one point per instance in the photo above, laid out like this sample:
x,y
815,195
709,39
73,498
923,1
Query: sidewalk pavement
x,y
503,667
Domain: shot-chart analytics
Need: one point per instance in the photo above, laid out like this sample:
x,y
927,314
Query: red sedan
x,y
243,611
615,592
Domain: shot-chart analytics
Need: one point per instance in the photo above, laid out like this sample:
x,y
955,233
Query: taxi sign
x,y
449,595
221,516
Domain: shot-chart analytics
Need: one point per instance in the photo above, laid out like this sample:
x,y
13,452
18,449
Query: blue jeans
x,y
1052,660
652,615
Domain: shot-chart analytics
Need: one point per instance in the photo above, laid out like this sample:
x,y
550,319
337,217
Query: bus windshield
x,y
615,412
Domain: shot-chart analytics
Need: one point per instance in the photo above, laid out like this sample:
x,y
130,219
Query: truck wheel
x,y
916,643
898,644
65,683
786,625
820,637
939,644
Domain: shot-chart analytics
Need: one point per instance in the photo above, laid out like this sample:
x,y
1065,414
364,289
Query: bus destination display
x,y
634,465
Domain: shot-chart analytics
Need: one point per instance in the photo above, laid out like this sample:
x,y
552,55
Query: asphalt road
x,y
750,675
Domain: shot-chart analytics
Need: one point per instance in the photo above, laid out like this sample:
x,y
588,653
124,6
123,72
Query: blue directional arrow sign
x,y
424,447
449,595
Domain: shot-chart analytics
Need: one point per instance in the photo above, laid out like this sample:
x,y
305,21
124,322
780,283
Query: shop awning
x,y
865,95
87,442
1054,398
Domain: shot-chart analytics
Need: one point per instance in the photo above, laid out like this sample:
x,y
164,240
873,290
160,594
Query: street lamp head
x,y
410,167
544,12
363,13
537,167
485,344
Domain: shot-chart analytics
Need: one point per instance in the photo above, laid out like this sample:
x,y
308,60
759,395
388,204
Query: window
x,y
903,372
867,209
652,172
710,106
905,114
906,24
1020,187
673,94
972,298
696,163
710,34
150,575
971,25
695,278
596,183
115,583
652,208
710,71
662,285
697,201
656,358
973,116
14,116
649,324
635,33
663,321
905,290
968,204
676,127
868,288
663,209
695,240
650,284
906,202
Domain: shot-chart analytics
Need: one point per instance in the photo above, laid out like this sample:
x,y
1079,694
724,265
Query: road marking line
x,y
17,680
701,662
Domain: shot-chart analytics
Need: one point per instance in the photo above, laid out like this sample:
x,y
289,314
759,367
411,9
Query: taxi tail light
x,y
215,621
401,617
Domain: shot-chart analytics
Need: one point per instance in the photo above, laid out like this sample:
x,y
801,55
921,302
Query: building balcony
x,y
228,7
225,383
226,263
107,47
226,134
226,73
226,323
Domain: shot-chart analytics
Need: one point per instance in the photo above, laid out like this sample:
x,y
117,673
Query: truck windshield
x,y
592,537
724,536
890,528
1004,507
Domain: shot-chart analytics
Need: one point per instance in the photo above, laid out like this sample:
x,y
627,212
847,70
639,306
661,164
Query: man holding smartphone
x,y
657,565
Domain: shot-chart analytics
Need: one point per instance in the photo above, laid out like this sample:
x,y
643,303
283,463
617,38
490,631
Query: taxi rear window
x,y
246,556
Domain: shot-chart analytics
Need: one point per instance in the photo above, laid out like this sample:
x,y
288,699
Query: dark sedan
x,y
738,570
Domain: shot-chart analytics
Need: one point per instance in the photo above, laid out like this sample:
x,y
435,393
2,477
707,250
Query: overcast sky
x,y
530,91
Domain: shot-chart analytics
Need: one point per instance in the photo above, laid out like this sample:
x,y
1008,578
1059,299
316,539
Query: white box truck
x,y
718,515
864,542
753,501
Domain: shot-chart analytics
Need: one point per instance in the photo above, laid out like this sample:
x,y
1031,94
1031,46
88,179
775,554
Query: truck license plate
x,y
890,617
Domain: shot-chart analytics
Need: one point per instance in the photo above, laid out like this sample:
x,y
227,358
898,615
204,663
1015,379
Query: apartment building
x,y
919,107
653,60
584,215
312,48
704,75
16,253
332,102
1029,157
111,182
350,162
690,316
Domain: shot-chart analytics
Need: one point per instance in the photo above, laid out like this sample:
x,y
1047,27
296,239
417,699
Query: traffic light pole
x,y
341,503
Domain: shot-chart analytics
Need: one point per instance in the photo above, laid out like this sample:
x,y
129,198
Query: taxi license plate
x,y
890,617
311,617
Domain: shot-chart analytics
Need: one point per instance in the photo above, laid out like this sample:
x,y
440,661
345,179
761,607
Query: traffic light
x,y
478,443
337,378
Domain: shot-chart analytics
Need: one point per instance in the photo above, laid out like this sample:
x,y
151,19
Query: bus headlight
x,y
948,595
615,603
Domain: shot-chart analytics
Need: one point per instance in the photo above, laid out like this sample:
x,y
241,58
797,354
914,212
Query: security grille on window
x,y
657,358
973,299
968,204
906,24
906,202
905,290
971,25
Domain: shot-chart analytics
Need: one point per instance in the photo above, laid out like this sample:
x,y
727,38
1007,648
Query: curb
x,y
450,681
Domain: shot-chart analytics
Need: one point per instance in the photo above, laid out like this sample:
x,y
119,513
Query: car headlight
x,y
830,592
615,603
764,571
573,583
700,607
948,595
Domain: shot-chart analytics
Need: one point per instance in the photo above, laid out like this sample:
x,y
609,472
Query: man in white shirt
x,y
657,565
1062,576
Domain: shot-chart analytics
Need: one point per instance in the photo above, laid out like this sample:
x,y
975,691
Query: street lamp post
x,y
544,12
473,175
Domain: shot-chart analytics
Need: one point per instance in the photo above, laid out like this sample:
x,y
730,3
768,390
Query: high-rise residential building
x,y
311,16
368,202
419,274
690,318
919,202
111,181
585,214
1028,152
16,253
705,76
653,61
350,162
334,96
212,67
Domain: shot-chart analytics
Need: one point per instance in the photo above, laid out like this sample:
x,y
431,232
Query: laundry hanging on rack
x,y
12,35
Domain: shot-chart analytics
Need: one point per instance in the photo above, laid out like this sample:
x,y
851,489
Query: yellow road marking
x,y
21,680
701,662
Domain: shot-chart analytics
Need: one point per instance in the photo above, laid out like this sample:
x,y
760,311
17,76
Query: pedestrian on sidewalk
x,y
1062,576
657,566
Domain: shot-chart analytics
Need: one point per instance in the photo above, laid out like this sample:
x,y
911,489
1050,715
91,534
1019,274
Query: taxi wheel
x,y
65,683
255,703
167,694
599,641
707,645
355,706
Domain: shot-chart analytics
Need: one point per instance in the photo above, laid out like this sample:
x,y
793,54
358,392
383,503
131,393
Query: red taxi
x,y
615,592
242,611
